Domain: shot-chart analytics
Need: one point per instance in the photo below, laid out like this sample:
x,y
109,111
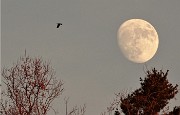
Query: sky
x,y
84,50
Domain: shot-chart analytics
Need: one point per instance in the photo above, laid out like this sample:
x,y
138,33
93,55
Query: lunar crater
x,y
138,40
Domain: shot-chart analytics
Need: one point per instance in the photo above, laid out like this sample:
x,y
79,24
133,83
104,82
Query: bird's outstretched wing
x,y
59,24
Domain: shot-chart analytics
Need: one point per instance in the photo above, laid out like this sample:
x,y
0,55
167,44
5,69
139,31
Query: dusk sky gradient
x,y
84,50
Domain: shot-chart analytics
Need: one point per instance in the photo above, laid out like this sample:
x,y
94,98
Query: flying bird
x,y
59,24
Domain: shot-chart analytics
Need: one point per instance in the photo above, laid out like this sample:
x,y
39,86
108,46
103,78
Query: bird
x,y
59,24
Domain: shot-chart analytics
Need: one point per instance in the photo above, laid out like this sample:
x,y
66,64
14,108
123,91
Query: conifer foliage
x,y
153,95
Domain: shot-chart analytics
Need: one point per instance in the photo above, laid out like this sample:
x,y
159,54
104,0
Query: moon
x,y
138,40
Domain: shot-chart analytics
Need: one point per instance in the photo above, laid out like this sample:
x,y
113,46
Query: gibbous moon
x,y
138,40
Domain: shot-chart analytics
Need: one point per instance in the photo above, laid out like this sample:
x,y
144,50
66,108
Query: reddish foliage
x,y
152,97
31,87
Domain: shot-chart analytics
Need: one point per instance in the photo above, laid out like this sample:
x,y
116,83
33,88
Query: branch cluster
x,y
151,97
31,87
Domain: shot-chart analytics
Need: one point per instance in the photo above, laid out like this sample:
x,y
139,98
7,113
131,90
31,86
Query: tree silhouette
x,y
176,111
152,97
117,112
30,87
75,110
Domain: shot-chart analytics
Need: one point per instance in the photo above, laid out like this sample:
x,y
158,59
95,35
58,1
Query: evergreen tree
x,y
153,95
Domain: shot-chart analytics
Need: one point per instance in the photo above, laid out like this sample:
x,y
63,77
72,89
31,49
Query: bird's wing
x,y
58,25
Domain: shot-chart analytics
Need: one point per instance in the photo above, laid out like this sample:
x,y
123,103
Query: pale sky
x,y
84,50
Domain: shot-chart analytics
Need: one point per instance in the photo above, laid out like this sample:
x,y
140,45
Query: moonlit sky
x,y
84,50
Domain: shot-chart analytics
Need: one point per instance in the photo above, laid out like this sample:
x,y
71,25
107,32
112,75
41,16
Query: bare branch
x,y
31,87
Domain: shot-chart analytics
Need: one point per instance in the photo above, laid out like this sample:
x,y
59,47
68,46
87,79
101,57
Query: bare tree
x,y
75,110
31,86
78,110
115,104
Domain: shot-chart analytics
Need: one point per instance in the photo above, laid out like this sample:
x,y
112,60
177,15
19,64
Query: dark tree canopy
x,y
153,95
176,111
